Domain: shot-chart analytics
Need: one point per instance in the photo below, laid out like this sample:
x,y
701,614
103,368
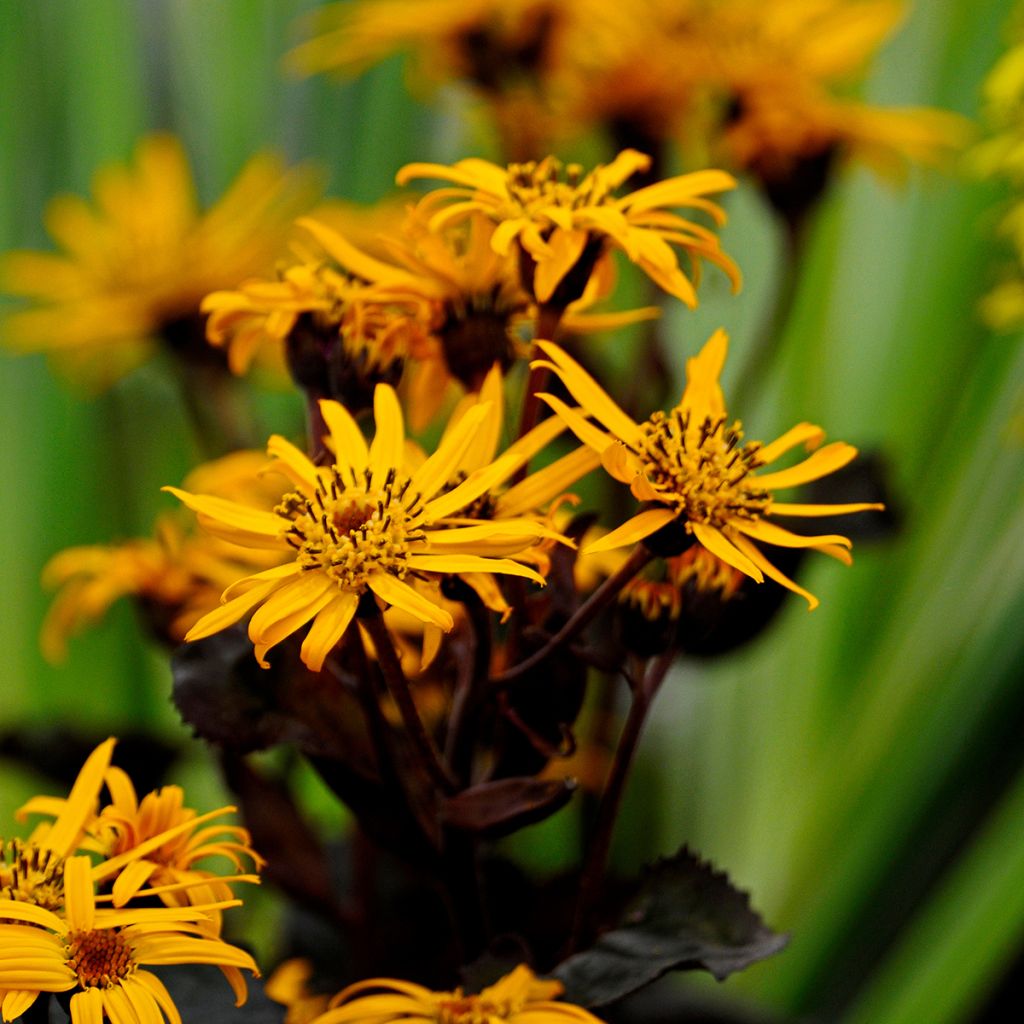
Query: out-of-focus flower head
x,y
562,222
136,263
777,66
1001,155
518,998
698,479
364,526
176,576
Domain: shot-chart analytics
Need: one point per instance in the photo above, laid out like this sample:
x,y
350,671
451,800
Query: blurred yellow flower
x,y
565,220
518,998
695,473
136,265
776,65
176,576
366,524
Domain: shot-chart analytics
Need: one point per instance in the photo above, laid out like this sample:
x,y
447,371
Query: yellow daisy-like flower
x,y
778,63
467,298
375,332
565,220
475,39
365,524
695,471
139,262
518,998
32,870
98,955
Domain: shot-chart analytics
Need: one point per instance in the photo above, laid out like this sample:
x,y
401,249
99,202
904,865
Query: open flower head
x,y
312,294
466,298
99,956
565,220
32,870
480,40
780,66
698,478
518,998
366,524
140,260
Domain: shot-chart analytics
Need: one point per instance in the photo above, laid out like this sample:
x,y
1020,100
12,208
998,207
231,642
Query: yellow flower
x,y
375,332
565,220
696,473
98,955
481,40
136,265
176,576
365,524
518,998
467,298
147,848
32,870
777,63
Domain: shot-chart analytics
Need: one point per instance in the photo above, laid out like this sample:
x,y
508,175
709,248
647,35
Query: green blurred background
x,y
858,769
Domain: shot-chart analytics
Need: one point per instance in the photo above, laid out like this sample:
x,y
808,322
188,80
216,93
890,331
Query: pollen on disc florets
x,y
470,1010
100,958
705,478
348,531
31,874
552,183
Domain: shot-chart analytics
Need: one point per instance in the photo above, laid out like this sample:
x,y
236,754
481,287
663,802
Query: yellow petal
x,y
231,612
230,514
589,393
808,434
458,563
327,630
586,432
633,530
824,461
387,449
351,455
781,508
715,541
762,530
757,557
401,595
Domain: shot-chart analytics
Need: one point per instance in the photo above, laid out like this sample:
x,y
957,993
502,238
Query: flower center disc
x,y
100,958
31,874
470,1010
703,475
350,533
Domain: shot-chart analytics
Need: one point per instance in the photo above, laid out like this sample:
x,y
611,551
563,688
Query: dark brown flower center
x,y
99,958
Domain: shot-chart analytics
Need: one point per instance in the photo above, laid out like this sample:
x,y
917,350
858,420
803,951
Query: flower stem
x,y
469,690
582,617
391,668
643,692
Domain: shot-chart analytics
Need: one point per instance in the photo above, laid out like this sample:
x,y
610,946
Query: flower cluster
x,y
82,924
